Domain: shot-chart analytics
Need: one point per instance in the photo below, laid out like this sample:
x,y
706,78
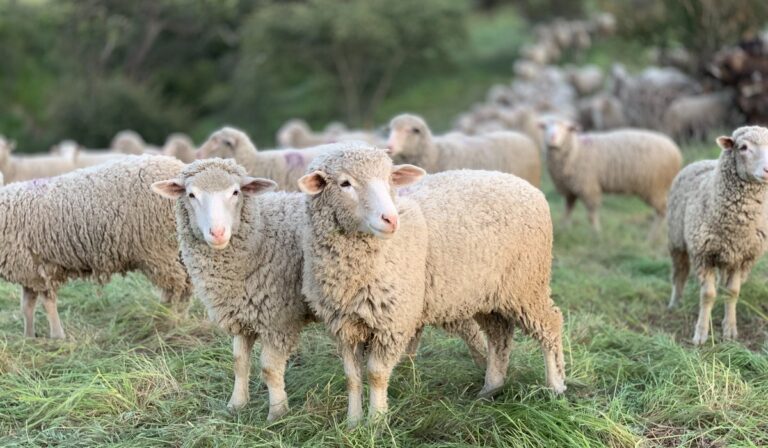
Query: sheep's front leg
x,y
28,302
49,303
592,202
570,203
273,362
733,286
381,362
241,349
351,355
706,301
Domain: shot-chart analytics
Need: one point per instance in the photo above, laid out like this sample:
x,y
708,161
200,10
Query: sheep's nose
x,y
217,232
391,221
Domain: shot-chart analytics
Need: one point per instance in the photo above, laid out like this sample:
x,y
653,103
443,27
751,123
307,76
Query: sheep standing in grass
x,y
91,223
718,222
411,141
244,256
462,244
284,166
20,168
628,161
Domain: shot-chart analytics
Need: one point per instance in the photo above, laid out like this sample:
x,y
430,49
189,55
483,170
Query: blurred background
x,y
86,69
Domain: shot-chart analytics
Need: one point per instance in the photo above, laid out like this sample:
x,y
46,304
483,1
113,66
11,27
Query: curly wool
x,y
92,223
627,161
505,151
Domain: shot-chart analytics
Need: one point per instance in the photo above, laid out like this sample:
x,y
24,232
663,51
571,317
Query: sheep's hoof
x,y
489,392
730,333
558,388
353,422
235,405
58,335
699,339
277,411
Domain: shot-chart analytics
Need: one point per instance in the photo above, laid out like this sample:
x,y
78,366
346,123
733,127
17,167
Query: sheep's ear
x,y
252,186
171,189
726,143
313,183
574,127
403,175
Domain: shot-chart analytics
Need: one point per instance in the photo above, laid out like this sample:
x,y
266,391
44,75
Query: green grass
x,y
131,373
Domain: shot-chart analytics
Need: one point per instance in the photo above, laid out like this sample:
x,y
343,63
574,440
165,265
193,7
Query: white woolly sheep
x,y
586,80
718,222
90,223
21,168
128,142
244,256
180,146
627,161
296,133
378,267
694,117
84,158
411,141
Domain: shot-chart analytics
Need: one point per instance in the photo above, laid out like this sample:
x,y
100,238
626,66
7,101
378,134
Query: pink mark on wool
x,y
37,184
585,140
404,191
294,160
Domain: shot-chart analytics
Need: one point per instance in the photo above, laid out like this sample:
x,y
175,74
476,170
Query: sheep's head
x,y
128,142
6,148
227,143
292,133
749,147
67,149
180,146
408,134
213,192
557,131
357,185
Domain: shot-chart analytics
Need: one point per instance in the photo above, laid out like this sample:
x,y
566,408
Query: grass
x,y
131,373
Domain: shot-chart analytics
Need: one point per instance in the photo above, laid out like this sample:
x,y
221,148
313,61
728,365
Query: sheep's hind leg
x,y
241,349
273,362
51,309
733,286
470,332
499,332
413,345
570,203
28,302
352,355
707,296
681,267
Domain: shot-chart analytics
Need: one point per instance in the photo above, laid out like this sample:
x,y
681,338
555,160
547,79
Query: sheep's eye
x,y
191,196
346,184
416,130
743,148
236,192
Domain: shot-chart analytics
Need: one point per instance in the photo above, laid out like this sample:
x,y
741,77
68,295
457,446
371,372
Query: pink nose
x,y
391,221
217,232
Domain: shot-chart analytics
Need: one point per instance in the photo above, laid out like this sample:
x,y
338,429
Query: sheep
x,y
718,222
84,158
411,141
128,142
627,161
90,223
377,267
284,166
586,80
602,111
241,246
693,117
296,133
21,168
180,146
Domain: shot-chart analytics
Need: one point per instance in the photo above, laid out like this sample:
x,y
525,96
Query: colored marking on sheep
x,y
294,160
404,191
37,184
585,139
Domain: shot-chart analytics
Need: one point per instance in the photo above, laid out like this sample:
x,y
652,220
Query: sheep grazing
x,y
91,223
20,168
718,222
284,166
181,147
628,161
228,224
411,141
378,266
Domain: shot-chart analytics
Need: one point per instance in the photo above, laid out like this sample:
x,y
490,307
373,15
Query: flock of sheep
x,y
361,239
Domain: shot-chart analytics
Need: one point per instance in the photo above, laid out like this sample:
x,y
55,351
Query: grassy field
x,y
131,373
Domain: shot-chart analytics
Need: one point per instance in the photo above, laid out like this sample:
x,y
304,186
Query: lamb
x,y
90,223
718,222
241,246
411,141
180,146
377,267
627,161
284,166
21,168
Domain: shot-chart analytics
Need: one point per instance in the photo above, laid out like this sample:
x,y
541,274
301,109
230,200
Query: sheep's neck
x,y
560,160
738,205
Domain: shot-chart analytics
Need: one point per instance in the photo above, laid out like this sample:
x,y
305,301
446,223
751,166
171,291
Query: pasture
x,y
133,373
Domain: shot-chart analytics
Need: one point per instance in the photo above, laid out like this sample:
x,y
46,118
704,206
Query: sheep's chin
x,y
383,235
219,246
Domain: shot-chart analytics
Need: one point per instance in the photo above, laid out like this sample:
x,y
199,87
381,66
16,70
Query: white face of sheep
x,y
406,135
556,132
364,202
751,157
214,210
221,144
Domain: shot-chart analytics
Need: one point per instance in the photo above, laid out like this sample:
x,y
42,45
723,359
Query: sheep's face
x,y
408,134
213,199
362,192
227,143
557,132
750,153
292,133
